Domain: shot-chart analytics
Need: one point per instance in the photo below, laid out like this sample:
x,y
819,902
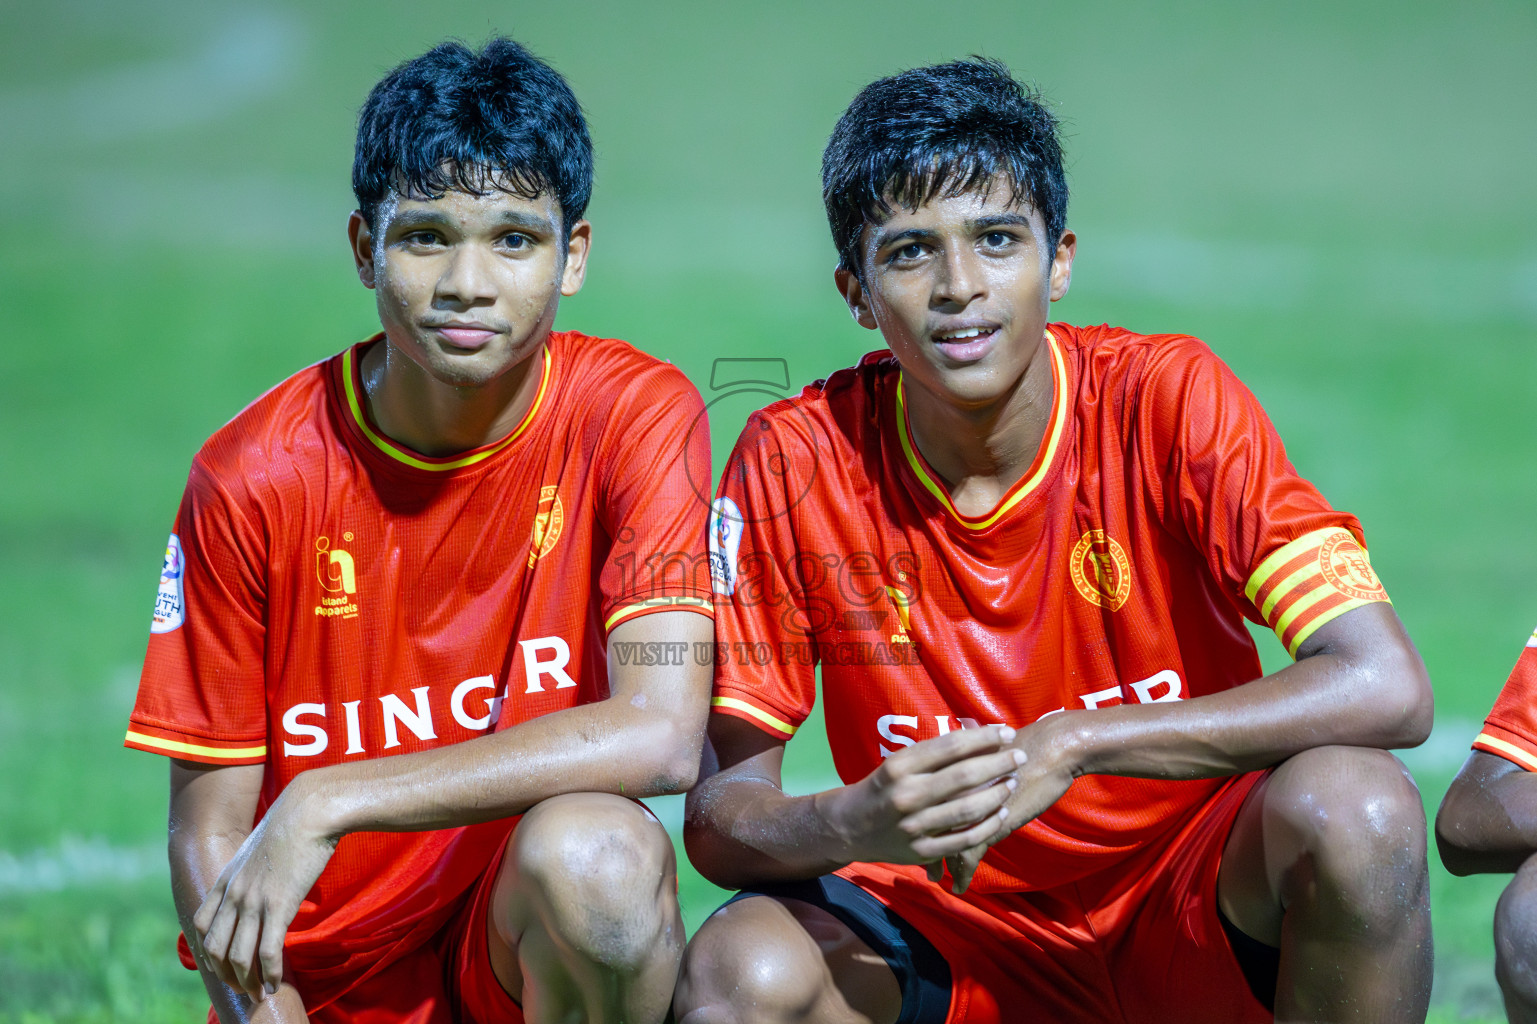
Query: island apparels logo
x,y
338,576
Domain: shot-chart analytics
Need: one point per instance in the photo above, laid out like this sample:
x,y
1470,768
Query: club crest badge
x,y
170,606
1101,571
1344,564
549,518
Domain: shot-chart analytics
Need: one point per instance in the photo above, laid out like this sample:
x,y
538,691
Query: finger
x,y
932,755
242,954
982,833
962,812
935,870
216,942
271,954
963,866
973,773
212,900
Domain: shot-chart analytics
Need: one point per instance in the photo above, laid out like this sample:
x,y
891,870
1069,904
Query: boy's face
x,y
468,285
959,289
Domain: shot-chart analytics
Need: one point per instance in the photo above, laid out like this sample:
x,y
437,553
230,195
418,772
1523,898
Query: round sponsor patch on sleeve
x,y
725,540
170,606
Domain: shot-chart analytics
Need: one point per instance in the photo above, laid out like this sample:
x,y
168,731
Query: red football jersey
x,y
1511,728
329,595
1160,510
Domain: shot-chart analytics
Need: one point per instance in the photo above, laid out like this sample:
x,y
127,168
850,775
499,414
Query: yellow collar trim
x,y
417,462
1020,490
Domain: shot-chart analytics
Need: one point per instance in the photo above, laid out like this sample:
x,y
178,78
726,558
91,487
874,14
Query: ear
x,y
362,240
575,271
854,294
1062,265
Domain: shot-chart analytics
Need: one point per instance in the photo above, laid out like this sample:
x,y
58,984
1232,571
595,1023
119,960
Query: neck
x,y
982,450
413,408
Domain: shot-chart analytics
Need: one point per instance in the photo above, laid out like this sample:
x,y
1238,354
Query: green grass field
x,y
1339,199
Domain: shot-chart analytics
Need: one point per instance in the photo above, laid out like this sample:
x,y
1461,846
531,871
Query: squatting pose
x,y
1023,553
387,611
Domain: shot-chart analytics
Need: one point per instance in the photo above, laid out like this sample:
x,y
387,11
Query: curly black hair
x,y
452,118
939,131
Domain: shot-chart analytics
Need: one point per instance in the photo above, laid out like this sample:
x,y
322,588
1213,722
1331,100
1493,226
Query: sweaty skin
x,y
959,289
467,291
1488,824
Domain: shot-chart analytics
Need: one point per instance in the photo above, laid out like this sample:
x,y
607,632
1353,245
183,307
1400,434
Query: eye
x,y
910,251
516,241
997,239
422,238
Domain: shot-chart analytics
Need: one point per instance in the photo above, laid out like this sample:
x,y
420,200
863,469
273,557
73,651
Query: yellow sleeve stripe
x,y
1302,575
1309,628
756,712
1506,749
177,747
1301,607
652,604
1285,554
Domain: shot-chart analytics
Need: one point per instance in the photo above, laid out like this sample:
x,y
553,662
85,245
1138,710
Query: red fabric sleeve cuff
x,y
1513,747
751,708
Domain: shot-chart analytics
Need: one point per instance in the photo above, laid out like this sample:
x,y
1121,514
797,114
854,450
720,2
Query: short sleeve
x,y
765,661
202,694
655,465
1223,480
1510,731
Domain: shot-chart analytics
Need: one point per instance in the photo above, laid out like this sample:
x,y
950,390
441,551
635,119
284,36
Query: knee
x,y
601,874
1358,821
749,962
1515,936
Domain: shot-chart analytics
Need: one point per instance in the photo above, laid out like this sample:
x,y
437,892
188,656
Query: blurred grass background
x,y
1339,197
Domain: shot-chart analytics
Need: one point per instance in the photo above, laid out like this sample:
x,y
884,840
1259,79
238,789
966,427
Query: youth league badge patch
x,y
170,608
725,539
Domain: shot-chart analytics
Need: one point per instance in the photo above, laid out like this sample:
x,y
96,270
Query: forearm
x,y
593,748
739,831
1378,696
198,850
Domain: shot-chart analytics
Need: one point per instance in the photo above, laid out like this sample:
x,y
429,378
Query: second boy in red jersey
x,y
388,617
1022,553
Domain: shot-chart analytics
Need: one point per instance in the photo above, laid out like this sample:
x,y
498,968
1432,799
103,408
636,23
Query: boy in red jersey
x,y
388,619
1022,554
1488,823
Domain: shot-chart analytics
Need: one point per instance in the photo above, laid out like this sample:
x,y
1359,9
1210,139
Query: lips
x,y
967,343
465,336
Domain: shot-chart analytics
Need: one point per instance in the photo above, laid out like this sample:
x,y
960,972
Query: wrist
x,y
831,810
314,808
1071,742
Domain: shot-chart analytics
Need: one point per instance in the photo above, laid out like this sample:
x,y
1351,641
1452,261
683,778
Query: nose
x,y
468,279
960,280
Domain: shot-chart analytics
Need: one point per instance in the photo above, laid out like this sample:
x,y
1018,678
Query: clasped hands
x,y
944,802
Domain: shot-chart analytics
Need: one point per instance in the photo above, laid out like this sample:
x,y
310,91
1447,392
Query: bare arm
x,y
1357,681
1488,818
644,740
741,828
211,812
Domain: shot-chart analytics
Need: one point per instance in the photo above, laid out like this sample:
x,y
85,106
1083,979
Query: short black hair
x,y
501,119
939,130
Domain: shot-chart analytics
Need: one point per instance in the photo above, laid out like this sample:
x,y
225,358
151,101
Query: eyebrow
x,y
997,220
508,218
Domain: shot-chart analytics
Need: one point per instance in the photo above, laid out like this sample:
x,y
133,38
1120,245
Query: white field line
x,y
76,863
